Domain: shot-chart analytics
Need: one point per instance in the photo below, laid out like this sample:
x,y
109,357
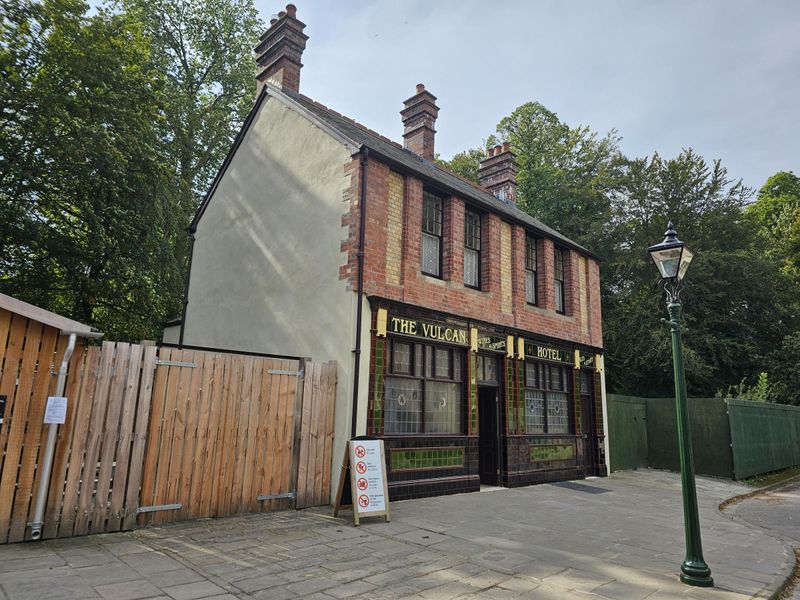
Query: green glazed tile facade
x,y
427,458
510,412
473,392
541,453
377,398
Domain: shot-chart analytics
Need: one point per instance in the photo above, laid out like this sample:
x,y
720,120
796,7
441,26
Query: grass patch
x,y
765,479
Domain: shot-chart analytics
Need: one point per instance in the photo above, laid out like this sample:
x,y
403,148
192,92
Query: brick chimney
x,y
498,172
279,51
419,118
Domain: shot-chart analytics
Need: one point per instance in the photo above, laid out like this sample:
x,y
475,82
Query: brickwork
x,y
394,231
583,300
505,267
501,299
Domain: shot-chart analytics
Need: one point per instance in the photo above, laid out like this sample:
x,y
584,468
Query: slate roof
x,y
396,155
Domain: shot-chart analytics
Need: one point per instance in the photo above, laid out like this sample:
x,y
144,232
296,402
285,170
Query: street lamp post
x,y
672,258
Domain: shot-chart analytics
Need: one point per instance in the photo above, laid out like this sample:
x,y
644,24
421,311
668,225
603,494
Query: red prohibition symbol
x,y
361,467
360,452
363,501
362,484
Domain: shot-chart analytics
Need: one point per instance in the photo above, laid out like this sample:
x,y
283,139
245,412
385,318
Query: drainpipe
x,y
47,462
191,232
362,208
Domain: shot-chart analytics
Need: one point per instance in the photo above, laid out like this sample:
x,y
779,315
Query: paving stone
x,y
151,562
129,590
309,586
61,587
34,562
351,589
192,591
104,574
259,583
177,577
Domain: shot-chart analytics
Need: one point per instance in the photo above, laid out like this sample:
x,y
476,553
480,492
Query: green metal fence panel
x,y
764,437
710,431
627,432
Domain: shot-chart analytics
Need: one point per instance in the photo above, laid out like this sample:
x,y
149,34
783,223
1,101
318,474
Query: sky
x,y
719,76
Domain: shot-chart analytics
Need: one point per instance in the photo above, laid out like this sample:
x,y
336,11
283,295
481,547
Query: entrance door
x,y
489,436
589,433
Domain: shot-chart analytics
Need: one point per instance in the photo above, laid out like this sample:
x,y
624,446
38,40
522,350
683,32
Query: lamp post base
x,y
697,574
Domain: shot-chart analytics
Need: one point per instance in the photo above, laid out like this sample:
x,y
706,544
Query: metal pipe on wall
x,y
47,462
362,206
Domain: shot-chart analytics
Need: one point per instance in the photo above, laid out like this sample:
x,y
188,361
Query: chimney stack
x,y
279,51
419,118
498,172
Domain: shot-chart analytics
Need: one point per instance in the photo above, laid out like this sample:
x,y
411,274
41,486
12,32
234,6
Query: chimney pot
x,y
419,120
279,51
498,172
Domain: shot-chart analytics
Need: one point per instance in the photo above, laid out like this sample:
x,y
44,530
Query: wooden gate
x,y
209,433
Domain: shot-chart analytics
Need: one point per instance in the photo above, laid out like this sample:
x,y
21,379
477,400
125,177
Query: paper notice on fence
x,y
367,465
56,411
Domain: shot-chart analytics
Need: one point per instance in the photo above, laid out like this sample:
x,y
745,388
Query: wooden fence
x,y
161,433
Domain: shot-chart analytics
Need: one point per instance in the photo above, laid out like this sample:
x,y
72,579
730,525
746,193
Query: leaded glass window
x,y
431,234
531,281
423,389
547,406
472,249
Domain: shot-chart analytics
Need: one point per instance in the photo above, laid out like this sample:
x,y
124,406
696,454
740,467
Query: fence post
x,y
297,421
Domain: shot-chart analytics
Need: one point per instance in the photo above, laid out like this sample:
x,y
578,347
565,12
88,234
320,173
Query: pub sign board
x,y
438,332
540,352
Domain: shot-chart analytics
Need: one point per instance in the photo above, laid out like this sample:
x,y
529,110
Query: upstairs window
x,y
531,279
558,279
472,249
431,234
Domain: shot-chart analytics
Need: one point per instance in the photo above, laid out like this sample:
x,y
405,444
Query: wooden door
x,y
489,436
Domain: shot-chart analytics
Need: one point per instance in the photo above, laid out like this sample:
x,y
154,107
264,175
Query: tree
x,y
465,163
85,201
205,50
776,215
736,302
565,173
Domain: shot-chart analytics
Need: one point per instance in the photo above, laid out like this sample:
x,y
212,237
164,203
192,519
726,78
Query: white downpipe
x,y
47,461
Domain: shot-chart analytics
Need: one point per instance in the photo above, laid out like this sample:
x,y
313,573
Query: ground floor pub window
x,y
546,398
424,389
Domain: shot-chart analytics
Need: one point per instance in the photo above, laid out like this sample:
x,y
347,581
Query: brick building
x,y
467,333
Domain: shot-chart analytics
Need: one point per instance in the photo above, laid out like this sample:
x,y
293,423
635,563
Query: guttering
x,y
191,232
362,219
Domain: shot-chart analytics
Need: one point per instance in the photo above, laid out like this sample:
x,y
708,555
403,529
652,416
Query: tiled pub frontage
x,y
461,403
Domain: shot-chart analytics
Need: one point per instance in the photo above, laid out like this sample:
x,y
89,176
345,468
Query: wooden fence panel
x,y
221,433
209,431
316,435
92,446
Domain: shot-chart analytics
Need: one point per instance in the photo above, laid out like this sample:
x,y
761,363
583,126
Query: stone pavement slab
x,y
545,541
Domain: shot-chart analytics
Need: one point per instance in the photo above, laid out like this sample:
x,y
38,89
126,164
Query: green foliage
x,y
204,48
776,215
565,173
464,163
785,375
87,213
758,392
112,126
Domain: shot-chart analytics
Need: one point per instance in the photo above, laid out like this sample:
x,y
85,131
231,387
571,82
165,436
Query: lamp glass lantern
x,y
671,256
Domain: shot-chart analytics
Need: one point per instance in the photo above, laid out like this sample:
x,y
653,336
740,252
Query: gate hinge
x,y
300,373
175,363
158,507
275,496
